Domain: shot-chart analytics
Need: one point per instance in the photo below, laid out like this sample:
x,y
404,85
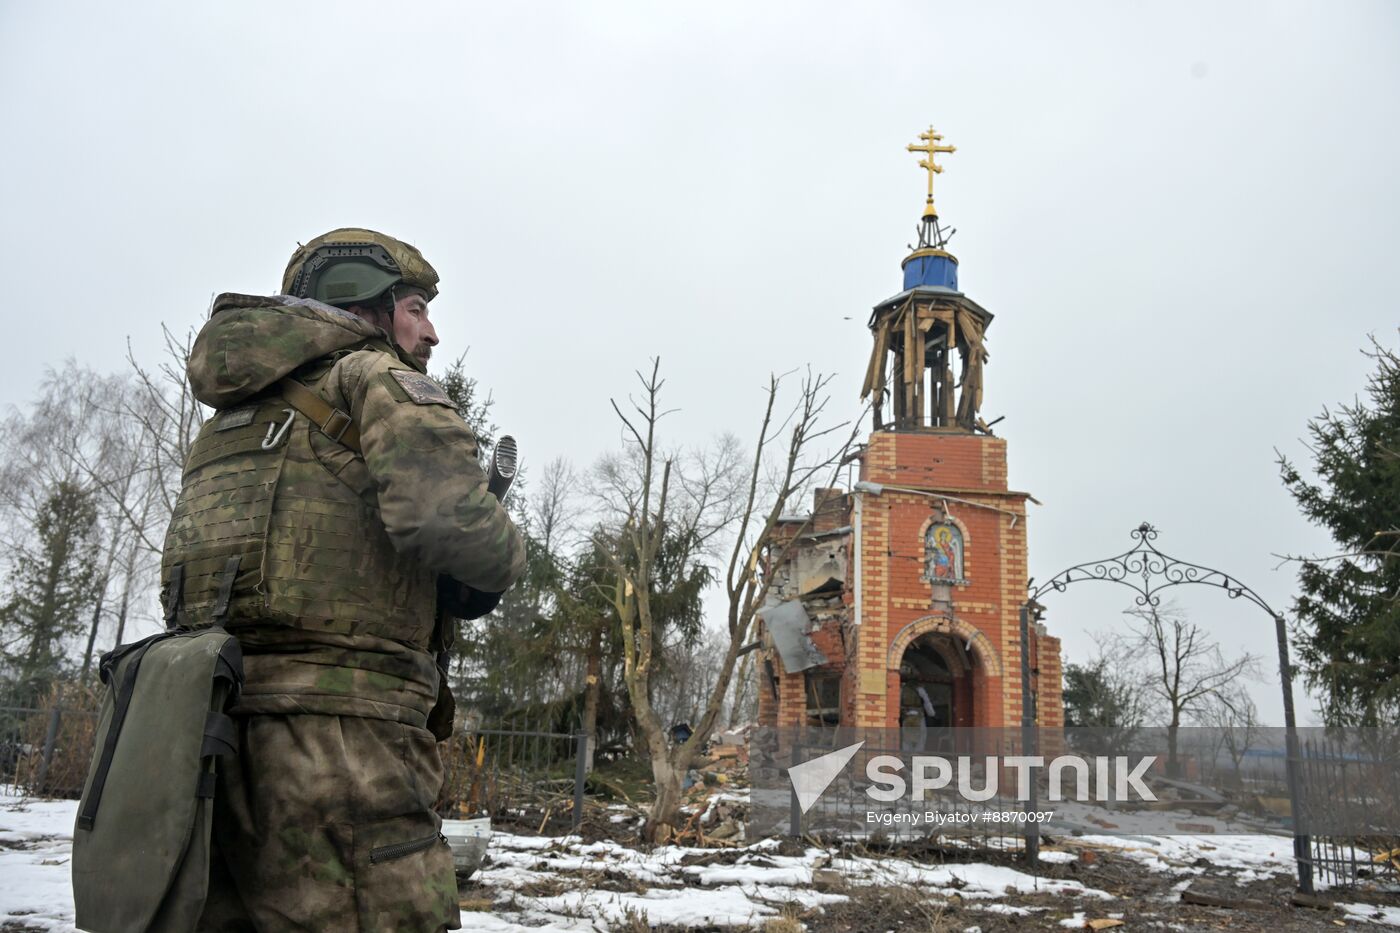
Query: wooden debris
x,y
1299,899
612,787
726,830
1107,923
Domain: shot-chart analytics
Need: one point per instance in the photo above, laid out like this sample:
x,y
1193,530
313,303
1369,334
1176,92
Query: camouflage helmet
x,y
352,265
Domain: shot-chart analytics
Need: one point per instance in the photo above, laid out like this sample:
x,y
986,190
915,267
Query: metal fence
x,y
963,823
506,769
45,752
1353,787
510,770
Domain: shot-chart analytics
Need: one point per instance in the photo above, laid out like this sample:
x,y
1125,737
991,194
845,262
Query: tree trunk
x,y
128,573
592,694
662,820
110,560
741,690
1173,765
92,629
121,612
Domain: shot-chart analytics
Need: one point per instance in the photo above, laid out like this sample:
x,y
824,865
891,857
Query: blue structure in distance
x,y
930,267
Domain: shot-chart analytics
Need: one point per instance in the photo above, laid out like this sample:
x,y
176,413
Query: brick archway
x,y
977,644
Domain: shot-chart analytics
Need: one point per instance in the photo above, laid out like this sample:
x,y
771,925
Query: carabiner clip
x,y
276,435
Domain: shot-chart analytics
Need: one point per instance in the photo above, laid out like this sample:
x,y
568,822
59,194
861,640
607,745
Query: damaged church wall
x,y
906,591
957,477
816,575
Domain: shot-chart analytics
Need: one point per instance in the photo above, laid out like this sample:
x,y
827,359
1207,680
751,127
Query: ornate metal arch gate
x,y
1148,571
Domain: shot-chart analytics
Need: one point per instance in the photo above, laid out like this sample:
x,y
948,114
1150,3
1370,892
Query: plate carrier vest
x,y
278,523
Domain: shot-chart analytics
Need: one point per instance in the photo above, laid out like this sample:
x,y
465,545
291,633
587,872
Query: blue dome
x,y
931,267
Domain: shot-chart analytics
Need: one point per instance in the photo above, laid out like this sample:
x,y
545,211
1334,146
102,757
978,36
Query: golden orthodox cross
x,y
930,148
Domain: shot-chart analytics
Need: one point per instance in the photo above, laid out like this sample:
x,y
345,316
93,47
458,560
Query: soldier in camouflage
x,y
333,510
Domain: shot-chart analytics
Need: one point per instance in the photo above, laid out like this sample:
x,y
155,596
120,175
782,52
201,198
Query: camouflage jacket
x,y
323,643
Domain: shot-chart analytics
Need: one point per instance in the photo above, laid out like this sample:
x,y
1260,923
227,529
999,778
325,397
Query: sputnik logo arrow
x,y
811,778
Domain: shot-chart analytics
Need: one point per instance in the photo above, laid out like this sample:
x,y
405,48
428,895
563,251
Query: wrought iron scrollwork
x,y
1148,571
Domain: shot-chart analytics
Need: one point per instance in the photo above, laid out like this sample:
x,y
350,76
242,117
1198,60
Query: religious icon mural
x,y
943,545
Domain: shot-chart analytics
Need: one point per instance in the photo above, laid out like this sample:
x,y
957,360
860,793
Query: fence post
x,y
1028,736
1302,842
50,739
580,774
794,805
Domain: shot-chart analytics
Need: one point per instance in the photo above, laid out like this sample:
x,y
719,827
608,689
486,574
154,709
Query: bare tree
x,y
706,498
1231,713
743,705
169,418
1184,669
137,429
46,453
158,416
682,689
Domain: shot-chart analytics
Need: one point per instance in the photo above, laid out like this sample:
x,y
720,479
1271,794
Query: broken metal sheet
x,y
788,623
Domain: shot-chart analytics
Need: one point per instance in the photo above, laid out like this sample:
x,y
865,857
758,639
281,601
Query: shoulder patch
x,y
232,418
420,389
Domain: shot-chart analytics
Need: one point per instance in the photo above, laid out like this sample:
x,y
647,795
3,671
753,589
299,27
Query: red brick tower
x,y
900,605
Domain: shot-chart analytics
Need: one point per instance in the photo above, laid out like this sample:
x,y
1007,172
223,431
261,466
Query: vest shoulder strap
x,y
338,425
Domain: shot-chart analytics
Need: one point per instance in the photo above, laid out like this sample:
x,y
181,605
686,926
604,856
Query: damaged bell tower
x,y
919,332
898,603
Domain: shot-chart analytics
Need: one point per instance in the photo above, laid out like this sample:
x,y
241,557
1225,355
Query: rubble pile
x,y
717,794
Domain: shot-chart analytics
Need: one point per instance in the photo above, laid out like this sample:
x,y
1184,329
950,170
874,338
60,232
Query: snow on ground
x,y
1244,857
753,888
36,844
1372,914
544,884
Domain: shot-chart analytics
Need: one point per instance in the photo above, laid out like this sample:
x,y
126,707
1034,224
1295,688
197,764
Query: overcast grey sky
x,y
1183,216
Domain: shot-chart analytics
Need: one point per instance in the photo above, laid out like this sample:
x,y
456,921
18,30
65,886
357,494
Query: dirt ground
x,y
1143,899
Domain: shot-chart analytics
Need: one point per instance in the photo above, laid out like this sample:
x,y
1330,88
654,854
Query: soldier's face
x,y
412,329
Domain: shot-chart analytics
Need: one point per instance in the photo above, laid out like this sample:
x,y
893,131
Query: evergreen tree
x,y
474,409
1096,700
52,585
1349,610
550,651
509,661
1106,700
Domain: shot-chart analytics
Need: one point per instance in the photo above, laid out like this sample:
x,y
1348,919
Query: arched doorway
x,y
934,689
928,647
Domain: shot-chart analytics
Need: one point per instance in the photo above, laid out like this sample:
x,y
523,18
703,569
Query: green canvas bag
x,y
141,843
